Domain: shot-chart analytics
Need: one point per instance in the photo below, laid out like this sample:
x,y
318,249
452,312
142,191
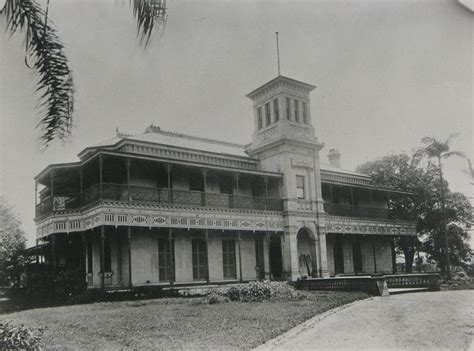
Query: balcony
x,y
356,211
73,202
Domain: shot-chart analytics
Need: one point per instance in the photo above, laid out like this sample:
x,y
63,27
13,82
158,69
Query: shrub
x,y
17,338
255,291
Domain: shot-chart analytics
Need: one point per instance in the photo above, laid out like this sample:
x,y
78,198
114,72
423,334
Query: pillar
x,y
53,255
128,180
100,177
102,257
81,185
323,254
204,187
207,253
394,256
172,262
373,253
129,253
170,195
239,240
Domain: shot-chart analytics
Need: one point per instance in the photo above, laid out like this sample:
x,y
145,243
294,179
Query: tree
x,y
55,79
12,238
407,173
440,149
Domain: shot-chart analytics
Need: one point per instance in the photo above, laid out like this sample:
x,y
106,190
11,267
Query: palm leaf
x,y
55,83
149,14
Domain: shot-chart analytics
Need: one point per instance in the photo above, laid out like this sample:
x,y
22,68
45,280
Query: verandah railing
x,y
153,195
356,211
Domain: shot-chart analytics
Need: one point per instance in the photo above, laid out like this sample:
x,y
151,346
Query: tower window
x,y
300,193
305,113
276,110
259,118
297,111
288,106
268,117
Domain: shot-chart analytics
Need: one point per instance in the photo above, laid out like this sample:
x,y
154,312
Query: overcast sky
x,y
387,74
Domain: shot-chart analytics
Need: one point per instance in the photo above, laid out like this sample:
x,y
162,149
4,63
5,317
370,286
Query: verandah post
x,y
207,254
102,257
239,239
100,177
129,252
172,270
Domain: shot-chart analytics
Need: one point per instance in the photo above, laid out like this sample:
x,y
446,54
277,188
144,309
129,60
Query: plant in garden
x,y
14,337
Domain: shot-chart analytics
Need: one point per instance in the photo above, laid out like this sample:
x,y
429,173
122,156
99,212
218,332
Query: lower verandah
x,y
192,259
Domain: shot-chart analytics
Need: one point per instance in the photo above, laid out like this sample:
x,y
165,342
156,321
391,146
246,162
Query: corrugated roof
x,y
156,135
329,168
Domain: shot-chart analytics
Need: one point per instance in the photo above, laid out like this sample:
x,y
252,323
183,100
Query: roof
x,y
327,167
281,78
156,135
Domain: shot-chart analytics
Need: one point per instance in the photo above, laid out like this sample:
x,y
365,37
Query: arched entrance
x,y
306,254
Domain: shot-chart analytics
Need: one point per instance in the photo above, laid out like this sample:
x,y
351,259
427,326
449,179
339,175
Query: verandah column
x,y
102,257
127,164
373,253
207,254
53,255
172,263
168,172
204,187
100,177
239,239
129,252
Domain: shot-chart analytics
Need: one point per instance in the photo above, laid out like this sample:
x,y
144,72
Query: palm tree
x,y
42,45
440,150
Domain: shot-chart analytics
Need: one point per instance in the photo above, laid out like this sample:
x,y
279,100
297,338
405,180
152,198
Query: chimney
x,y
334,157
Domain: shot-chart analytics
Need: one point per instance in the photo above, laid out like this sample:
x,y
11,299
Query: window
x,y
305,113
288,107
164,260
89,257
268,117
300,187
199,259
196,181
228,259
259,117
297,111
276,110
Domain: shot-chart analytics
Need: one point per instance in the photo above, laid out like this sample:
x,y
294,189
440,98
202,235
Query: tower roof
x,y
281,80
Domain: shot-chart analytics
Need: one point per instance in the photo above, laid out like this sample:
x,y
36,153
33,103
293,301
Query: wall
x,y
383,254
145,264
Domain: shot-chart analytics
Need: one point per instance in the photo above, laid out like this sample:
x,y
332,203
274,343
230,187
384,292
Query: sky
x,y
387,74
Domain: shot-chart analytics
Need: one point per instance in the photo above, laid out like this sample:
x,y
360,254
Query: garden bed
x,y
175,323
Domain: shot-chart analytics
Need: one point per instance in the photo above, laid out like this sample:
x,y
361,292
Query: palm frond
x,y
454,153
150,15
55,82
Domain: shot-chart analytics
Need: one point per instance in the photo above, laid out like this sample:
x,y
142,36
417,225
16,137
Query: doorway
x,y
338,255
276,262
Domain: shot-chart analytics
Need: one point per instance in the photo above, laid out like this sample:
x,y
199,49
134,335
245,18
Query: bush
x,y
138,293
17,338
255,291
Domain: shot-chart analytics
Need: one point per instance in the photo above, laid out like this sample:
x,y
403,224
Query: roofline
x,y
310,87
151,158
369,186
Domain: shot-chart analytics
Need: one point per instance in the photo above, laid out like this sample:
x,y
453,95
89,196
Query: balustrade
x,y
356,211
150,195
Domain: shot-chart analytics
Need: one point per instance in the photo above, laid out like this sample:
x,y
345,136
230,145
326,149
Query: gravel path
x,y
415,321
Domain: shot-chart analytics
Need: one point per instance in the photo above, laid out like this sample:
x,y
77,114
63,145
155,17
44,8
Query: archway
x,y
306,253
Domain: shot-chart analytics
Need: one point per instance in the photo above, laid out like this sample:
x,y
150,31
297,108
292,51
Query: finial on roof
x,y
152,129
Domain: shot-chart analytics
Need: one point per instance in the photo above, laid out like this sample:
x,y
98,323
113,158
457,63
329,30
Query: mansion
x,y
164,208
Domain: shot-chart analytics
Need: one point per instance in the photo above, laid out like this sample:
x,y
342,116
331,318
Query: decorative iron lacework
x,y
108,215
379,227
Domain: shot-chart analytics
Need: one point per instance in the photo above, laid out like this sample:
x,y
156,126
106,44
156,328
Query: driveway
x,y
414,321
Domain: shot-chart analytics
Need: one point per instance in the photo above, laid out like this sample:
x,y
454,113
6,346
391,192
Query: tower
x,y
284,141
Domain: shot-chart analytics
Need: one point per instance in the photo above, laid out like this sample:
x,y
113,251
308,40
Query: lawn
x,y
174,323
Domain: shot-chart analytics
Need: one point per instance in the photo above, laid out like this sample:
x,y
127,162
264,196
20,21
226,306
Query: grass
x,y
174,323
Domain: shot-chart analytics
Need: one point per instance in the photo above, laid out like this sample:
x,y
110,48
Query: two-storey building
x,y
169,208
